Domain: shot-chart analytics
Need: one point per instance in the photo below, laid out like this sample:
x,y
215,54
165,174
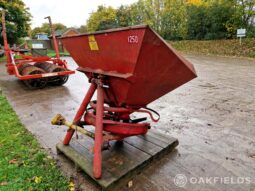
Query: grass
x,y
3,59
24,166
217,47
50,53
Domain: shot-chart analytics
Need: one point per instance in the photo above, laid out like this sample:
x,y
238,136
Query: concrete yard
x,y
213,118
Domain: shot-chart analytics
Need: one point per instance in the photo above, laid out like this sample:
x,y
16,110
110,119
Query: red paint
x,y
139,71
80,112
97,161
130,68
119,128
13,64
6,45
53,37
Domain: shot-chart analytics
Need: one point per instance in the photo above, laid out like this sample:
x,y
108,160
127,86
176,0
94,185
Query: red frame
x,y
105,128
12,67
13,64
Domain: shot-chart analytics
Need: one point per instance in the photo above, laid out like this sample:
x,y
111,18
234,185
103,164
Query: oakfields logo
x,y
181,180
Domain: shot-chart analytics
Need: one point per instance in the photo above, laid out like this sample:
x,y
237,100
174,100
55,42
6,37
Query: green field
x,y
217,47
50,53
24,166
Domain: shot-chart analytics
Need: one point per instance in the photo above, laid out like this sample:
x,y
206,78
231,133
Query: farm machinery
x,y
128,68
35,72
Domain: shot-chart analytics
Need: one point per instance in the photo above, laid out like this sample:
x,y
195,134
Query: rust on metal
x,y
49,67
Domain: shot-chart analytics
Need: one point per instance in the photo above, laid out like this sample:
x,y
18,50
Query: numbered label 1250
x,y
133,39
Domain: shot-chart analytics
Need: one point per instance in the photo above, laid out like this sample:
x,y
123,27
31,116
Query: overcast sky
x,y
69,12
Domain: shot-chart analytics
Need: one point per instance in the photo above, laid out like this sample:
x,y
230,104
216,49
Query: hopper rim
x,y
110,31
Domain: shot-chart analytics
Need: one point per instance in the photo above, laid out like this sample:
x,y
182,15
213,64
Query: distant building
x,y
63,33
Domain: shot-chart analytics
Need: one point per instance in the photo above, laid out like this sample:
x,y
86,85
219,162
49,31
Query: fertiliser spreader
x,y
128,68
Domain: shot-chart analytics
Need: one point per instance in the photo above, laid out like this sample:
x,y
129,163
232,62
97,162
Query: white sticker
x,y
49,75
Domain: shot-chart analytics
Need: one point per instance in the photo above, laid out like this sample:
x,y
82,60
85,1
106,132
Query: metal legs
x,y
97,161
80,112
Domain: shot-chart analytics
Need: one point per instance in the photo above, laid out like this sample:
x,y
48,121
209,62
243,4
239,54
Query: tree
x,y
197,21
248,12
212,19
103,18
173,20
167,17
145,12
123,16
17,19
181,19
82,29
45,28
137,13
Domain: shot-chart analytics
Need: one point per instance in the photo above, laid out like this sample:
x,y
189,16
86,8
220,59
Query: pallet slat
x,y
123,160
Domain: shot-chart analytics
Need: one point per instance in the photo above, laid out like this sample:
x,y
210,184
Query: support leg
x,y
97,160
80,112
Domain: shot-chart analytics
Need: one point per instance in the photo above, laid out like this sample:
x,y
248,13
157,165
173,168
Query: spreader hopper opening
x,y
138,64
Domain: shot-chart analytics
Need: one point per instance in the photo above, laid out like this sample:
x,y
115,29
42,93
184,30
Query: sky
x,y
69,12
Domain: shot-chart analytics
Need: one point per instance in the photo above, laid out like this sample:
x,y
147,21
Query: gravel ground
x,y
213,117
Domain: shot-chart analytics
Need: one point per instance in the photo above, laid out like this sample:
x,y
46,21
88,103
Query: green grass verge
x,y
217,47
50,53
23,165
3,59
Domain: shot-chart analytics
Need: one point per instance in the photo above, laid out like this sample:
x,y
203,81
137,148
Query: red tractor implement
x,y
128,68
35,72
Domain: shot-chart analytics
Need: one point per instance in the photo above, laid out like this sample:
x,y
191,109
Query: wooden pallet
x,y
124,159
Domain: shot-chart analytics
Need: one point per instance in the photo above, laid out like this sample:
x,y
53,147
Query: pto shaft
x,y
60,120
